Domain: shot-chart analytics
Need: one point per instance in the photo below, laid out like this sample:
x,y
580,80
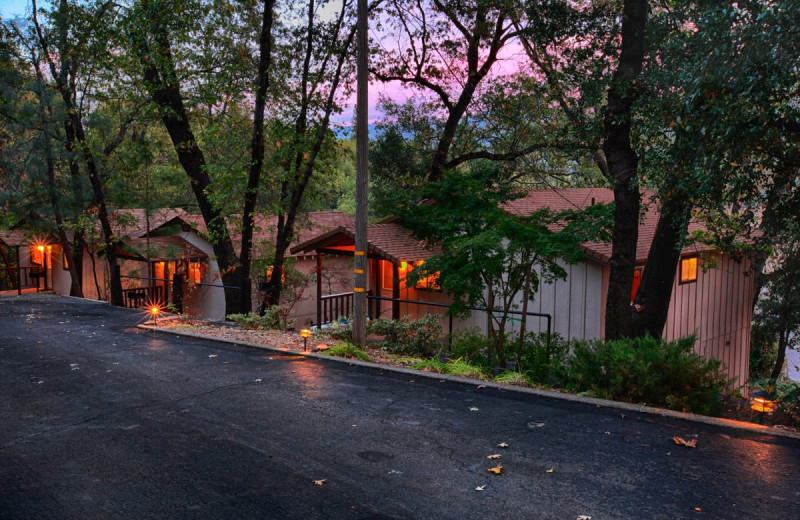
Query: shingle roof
x,y
160,248
578,198
14,237
307,225
388,241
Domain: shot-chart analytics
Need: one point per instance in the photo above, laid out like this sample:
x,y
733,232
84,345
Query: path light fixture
x,y
155,310
761,401
305,334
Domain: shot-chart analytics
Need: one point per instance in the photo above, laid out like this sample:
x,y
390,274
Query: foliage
x,y
510,377
341,329
540,356
454,367
347,350
647,370
491,258
414,337
275,318
470,345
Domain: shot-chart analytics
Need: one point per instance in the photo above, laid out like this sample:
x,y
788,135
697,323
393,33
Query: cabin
x,y
710,298
161,243
30,263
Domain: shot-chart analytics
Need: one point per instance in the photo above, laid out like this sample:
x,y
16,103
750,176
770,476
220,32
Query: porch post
x,y
319,288
395,291
19,273
177,291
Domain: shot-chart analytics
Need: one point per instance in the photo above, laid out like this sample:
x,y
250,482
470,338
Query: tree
x,y
778,311
490,258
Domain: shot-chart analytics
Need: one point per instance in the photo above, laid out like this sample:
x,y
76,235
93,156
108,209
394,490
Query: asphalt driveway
x,y
101,420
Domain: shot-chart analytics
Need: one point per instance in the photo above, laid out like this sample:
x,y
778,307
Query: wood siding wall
x,y
717,309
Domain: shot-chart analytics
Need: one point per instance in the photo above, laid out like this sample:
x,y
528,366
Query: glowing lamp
x,y
762,402
155,310
40,248
305,334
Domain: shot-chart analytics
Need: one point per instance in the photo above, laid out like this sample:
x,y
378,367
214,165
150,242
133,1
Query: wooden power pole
x,y
361,258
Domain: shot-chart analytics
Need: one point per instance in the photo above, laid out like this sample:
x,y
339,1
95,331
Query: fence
x,y
336,306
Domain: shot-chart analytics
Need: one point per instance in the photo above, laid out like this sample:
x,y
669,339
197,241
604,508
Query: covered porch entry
x,y
167,265
392,252
26,263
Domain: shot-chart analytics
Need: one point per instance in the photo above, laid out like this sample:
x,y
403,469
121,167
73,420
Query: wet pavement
x,y
101,420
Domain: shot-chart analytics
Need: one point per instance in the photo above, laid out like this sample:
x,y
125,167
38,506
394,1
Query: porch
x,y
392,254
26,263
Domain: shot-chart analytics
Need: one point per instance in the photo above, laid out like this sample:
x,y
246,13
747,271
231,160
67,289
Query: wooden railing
x,y
334,307
137,297
18,278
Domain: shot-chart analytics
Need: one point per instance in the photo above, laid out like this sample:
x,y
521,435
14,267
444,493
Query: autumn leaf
x,y
481,488
473,408
493,456
320,482
549,470
682,442
697,509
496,470
502,445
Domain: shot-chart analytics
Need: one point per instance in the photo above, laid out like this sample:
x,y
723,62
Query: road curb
x,y
649,410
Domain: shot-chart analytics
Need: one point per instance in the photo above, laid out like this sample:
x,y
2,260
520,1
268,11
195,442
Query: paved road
x,y
99,420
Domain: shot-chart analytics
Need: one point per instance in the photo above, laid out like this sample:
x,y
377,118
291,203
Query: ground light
x,y
305,334
763,403
155,310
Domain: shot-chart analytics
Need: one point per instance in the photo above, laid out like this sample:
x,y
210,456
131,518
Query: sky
x,y
12,8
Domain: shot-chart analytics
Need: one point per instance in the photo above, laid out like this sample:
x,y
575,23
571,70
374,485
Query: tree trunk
x,y
256,155
622,164
783,337
165,92
651,303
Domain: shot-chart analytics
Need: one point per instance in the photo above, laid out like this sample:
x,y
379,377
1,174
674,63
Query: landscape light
x,y
305,334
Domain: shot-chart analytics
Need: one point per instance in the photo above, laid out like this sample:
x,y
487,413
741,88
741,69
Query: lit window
x,y
387,275
428,282
195,272
689,269
637,279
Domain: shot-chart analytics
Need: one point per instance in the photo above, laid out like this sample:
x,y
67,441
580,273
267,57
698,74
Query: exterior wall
x,y
717,308
61,279
206,301
337,278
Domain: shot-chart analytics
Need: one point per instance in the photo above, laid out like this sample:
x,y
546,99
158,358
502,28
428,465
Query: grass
x,y
347,350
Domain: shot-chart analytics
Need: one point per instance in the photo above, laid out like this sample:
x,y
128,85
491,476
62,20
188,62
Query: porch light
x,y
305,334
403,265
762,402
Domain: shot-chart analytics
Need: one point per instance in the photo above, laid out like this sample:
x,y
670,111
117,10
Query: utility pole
x,y
361,258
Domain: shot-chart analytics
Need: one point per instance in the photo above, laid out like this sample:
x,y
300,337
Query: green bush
x,y
415,337
455,367
786,395
540,356
513,378
340,330
347,350
274,318
471,346
647,370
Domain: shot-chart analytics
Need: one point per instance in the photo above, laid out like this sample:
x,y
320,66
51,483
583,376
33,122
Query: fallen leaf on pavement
x,y
213,355
473,408
502,445
481,488
494,456
320,481
549,470
496,470
697,509
584,517
689,444
479,387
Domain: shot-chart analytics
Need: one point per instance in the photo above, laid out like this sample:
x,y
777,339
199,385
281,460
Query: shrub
x,y
513,378
648,370
415,337
275,318
347,350
455,367
540,356
471,345
341,330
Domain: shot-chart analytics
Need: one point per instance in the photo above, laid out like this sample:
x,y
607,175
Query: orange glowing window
x,y
429,282
688,269
637,279
195,272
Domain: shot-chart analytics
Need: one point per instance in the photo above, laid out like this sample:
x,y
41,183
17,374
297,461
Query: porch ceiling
x,y
387,241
